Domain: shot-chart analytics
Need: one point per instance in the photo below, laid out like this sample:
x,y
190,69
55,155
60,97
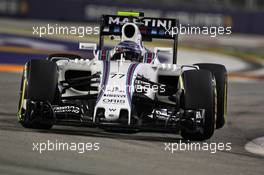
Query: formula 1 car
x,y
126,87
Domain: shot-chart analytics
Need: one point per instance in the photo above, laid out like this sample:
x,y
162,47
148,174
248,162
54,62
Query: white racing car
x,y
126,87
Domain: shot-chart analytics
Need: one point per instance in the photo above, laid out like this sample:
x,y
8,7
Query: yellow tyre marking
x,y
215,103
22,100
22,94
181,82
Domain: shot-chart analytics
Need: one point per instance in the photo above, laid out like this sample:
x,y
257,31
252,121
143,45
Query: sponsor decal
x,y
154,31
117,75
114,101
115,89
117,29
148,22
112,109
115,95
68,109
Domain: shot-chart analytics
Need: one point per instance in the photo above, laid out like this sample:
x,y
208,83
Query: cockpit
x,y
128,50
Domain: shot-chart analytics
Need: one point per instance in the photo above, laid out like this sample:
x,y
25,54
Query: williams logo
x,y
112,109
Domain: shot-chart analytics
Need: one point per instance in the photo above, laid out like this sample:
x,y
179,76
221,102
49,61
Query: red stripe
x,y
129,78
103,54
149,57
104,80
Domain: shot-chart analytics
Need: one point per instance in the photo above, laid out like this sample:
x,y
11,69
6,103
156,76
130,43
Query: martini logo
x,y
148,22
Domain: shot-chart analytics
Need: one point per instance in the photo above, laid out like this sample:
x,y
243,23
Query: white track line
x,y
256,146
233,64
189,57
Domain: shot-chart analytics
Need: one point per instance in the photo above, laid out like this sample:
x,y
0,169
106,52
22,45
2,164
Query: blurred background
x,y
18,43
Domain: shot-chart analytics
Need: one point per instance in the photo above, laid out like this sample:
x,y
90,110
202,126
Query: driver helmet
x,y
130,50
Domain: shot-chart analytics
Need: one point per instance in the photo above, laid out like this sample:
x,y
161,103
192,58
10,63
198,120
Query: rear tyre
x,y
220,74
199,93
38,85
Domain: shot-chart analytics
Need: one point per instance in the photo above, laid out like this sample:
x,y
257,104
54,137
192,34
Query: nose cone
x,y
115,96
112,110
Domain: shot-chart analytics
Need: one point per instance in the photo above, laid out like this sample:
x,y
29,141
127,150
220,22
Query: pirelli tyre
x,y
220,74
199,93
39,87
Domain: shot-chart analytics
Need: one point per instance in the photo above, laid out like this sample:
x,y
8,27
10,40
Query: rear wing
x,y
157,28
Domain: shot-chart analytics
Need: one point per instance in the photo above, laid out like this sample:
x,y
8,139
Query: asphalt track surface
x,y
140,153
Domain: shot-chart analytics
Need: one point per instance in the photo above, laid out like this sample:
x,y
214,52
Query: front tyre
x,y
37,91
199,93
220,74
